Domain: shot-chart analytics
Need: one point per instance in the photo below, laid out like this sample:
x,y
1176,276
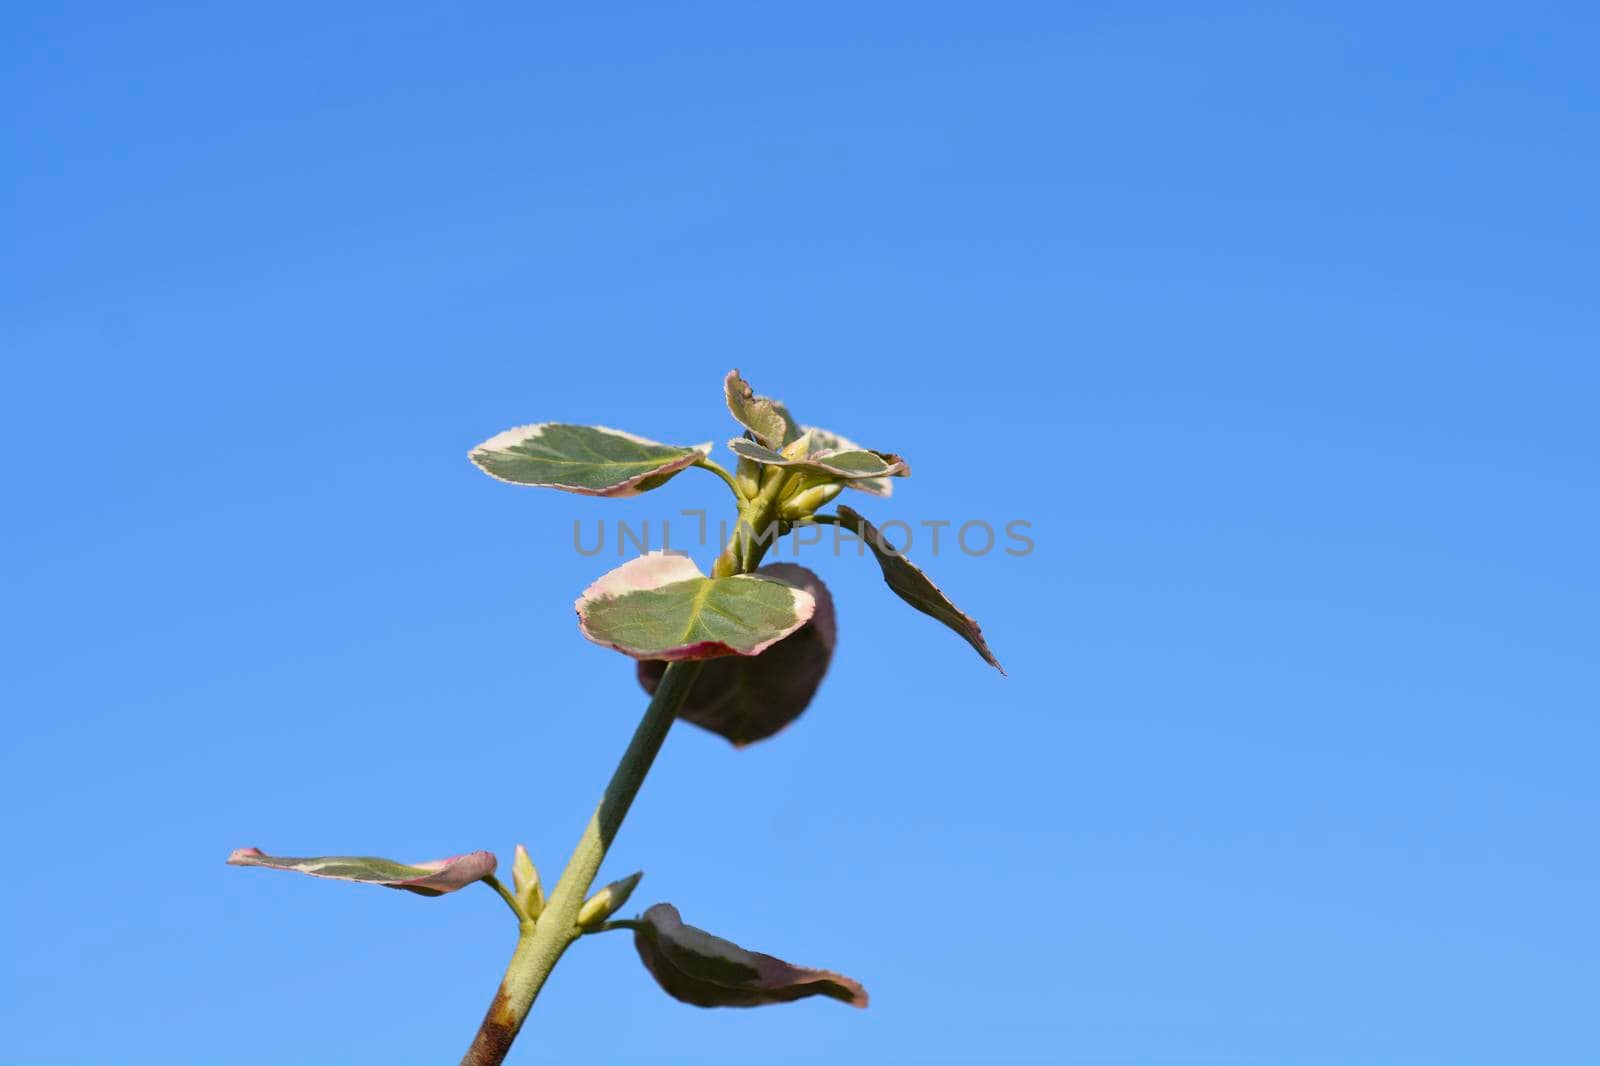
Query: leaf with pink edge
x,y
661,606
847,464
694,967
587,460
744,699
825,440
766,419
913,586
433,878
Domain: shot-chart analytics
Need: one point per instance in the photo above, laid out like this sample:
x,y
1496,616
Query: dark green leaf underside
x,y
913,586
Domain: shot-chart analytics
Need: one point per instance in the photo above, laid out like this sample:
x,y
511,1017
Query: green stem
x,y
717,469
505,893
542,943
757,520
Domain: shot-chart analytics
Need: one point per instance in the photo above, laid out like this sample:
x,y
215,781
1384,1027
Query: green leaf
x,y
913,586
828,441
766,418
661,606
433,878
588,460
744,699
808,453
606,902
697,968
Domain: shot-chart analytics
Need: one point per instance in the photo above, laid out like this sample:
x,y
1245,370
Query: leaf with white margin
x,y
767,419
828,440
694,967
588,460
661,606
433,878
844,463
744,699
913,586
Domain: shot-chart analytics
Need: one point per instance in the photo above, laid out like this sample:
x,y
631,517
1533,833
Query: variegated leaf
x,y
433,878
913,586
807,453
661,606
695,967
766,418
749,698
588,460
827,440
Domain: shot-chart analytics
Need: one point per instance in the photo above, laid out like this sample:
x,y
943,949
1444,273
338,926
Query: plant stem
x,y
505,893
543,942
755,531
717,469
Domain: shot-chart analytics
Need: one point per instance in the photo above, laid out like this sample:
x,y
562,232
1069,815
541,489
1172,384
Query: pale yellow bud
x,y
748,476
525,879
606,902
805,504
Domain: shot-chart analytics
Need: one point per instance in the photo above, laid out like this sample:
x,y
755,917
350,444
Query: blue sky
x,y
1276,321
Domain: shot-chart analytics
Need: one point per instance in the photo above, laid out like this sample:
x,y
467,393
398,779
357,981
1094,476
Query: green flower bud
x,y
525,879
805,503
769,474
748,476
606,902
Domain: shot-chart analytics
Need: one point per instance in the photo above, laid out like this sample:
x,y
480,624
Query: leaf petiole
x,y
717,469
511,901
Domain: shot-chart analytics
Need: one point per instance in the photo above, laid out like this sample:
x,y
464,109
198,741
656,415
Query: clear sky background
x,y
1276,320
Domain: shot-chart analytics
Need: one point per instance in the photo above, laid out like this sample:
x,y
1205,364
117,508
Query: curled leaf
x,y
829,441
749,698
661,606
848,464
588,460
695,967
913,586
433,878
606,902
766,418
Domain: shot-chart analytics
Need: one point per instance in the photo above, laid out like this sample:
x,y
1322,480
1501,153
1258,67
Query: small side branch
x,y
717,469
511,901
541,945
